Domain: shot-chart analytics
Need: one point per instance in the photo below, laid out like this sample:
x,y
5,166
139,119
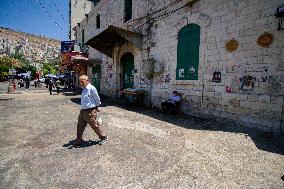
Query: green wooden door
x,y
188,53
96,77
127,61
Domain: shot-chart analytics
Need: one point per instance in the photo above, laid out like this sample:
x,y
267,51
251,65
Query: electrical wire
x,y
45,10
58,10
161,16
156,11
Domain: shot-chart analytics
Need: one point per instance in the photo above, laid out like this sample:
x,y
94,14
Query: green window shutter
x,y
188,53
127,10
97,77
127,61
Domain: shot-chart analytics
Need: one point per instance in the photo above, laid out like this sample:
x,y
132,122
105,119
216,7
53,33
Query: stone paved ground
x,y
146,148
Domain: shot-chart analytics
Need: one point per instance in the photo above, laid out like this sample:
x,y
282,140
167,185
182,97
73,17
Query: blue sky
x,y
41,17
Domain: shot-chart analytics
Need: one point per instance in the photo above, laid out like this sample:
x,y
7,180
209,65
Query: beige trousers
x,y
89,117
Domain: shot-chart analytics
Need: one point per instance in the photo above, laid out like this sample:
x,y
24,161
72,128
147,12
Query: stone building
x,y
78,9
35,48
226,57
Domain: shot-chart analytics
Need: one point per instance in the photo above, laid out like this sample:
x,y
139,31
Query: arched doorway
x,y
127,62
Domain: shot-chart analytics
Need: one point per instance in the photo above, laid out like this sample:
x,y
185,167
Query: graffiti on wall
x,y
167,78
228,89
164,79
274,85
247,83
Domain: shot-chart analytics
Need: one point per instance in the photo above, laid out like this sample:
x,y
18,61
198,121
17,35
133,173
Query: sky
x,y
48,18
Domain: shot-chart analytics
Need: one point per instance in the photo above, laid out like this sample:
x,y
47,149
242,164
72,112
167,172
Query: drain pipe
x,y
282,121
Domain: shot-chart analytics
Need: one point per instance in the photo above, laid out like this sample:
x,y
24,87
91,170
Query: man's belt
x,y
89,109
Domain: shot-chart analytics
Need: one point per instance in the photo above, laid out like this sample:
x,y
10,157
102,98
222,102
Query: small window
x,y
83,36
127,10
98,21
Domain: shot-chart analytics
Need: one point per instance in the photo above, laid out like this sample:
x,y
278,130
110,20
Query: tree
x,y
26,65
50,68
7,63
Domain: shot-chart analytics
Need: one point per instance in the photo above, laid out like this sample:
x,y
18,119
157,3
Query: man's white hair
x,y
84,77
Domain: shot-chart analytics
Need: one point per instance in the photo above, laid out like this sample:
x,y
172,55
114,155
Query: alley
x,y
146,149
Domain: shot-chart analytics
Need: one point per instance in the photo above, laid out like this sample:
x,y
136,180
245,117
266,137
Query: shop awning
x,y
86,61
113,36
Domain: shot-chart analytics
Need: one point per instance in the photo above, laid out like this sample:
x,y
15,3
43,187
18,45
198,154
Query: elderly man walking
x,y
90,102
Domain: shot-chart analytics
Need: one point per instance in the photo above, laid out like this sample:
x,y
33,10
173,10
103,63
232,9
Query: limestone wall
x,y
252,77
78,9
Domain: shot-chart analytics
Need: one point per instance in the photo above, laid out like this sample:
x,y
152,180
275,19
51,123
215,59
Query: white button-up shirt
x,y
90,97
174,99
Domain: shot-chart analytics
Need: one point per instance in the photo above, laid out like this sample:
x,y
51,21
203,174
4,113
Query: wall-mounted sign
x,y
265,40
67,46
232,45
280,15
216,77
280,11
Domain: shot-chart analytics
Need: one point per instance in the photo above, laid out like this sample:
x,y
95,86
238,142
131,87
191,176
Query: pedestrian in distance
x,y
90,102
21,83
50,86
57,84
27,80
35,83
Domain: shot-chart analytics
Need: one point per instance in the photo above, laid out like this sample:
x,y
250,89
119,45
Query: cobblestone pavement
x,y
146,148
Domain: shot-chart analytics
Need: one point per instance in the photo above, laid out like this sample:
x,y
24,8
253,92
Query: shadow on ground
x,y
263,140
70,92
85,144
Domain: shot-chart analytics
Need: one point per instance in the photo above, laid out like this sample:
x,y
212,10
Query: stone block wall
x,y
244,21
78,9
258,105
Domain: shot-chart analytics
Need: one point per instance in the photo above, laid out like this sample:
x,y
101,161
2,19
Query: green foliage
x,y
49,68
26,64
4,67
4,70
17,61
7,63
29,67
20,57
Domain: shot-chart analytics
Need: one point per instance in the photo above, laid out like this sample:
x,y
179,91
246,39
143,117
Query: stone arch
x,y
198,18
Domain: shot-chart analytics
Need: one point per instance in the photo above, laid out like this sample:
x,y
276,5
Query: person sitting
x,y
172,103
